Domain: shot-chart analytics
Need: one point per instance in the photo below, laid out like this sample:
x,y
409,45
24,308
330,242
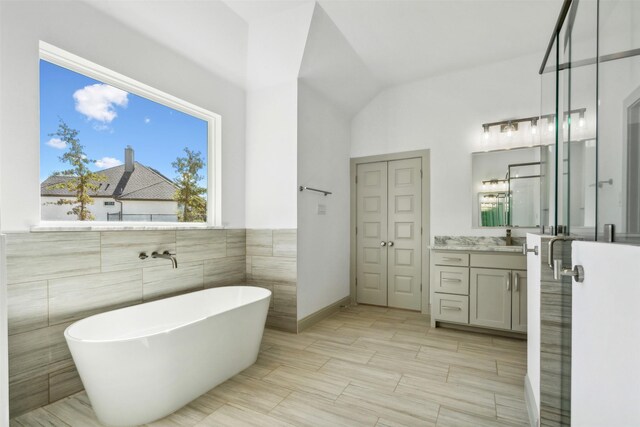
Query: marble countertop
x,y
476,244
478,248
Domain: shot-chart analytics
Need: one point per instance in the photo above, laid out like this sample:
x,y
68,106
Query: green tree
x,y
81,180
189,195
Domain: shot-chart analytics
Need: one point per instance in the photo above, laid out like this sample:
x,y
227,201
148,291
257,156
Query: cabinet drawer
x,y
507,262
450,258
452,308
450,280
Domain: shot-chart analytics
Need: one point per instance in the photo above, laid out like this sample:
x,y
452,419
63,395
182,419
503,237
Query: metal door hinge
x,y
356,230
356,282
421,173
356,179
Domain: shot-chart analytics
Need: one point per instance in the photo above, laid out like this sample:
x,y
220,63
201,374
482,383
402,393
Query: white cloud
x,y
108,162
98,101
147,120
57,143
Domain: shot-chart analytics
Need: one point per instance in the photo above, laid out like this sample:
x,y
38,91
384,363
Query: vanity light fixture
x,y
494,183
511,126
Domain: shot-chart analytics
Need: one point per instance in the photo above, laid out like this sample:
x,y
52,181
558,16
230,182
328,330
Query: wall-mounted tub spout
x,y
166,255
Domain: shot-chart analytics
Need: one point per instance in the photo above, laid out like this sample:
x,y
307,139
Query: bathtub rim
x,y
69,337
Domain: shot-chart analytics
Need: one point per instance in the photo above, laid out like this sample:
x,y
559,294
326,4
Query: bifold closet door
x,y
371,233
388,235
405,228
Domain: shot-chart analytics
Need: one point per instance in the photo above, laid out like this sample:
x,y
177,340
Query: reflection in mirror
x,y
506,188
524,189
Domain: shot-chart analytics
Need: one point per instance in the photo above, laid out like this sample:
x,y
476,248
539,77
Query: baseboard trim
x,y
323,313
530,403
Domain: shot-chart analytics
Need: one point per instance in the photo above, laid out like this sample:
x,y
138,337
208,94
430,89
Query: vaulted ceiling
x,y
396,40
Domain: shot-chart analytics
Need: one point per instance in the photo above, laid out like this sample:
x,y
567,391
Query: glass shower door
x,y
579,119
618,182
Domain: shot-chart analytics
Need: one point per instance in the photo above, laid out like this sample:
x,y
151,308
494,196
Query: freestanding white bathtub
x,y
141,363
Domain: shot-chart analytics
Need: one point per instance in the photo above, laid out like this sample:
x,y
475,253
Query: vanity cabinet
x,y
484,289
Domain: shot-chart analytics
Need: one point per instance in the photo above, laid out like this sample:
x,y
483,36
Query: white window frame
x,y
80,65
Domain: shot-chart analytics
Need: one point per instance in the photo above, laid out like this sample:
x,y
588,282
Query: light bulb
x,y
485,132
550,127
581,121
509,132
534,129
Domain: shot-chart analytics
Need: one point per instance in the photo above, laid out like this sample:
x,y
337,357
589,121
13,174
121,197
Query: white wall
x,y
605,326
4,332
323,240
84,31
445,114
275,49
271,157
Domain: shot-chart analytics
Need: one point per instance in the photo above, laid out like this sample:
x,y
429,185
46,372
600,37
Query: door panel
x,y
519,302
404,218
371,223
490,298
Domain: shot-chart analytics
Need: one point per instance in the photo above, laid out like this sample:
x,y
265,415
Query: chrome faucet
x,y
509,240
166,255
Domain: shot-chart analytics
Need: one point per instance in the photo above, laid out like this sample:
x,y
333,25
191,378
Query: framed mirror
x,y
506,188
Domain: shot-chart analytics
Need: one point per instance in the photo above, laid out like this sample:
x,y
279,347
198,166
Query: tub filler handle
x,y
166,255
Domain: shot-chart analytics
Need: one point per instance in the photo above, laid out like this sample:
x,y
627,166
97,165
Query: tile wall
x,y
271,263
555,340
56,278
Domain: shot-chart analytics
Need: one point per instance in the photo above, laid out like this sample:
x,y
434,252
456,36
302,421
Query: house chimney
x,y
129,164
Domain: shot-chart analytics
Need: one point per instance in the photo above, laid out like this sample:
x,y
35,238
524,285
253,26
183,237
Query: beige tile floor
x,y
363,366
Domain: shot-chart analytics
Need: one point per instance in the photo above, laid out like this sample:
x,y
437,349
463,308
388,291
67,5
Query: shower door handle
x,y
560,271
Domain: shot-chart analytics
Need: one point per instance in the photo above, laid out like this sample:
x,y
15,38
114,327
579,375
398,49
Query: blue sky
x,y
108,120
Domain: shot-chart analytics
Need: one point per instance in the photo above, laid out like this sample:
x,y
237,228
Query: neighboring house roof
x,y
144,183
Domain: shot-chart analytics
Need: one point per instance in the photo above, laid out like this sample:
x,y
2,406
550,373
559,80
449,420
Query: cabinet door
x,y
519,302
490,298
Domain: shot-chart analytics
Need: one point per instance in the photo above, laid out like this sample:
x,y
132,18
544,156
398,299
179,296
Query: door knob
x,y
383,243
390,243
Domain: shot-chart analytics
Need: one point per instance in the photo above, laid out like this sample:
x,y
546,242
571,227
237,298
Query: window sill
x,y
136,226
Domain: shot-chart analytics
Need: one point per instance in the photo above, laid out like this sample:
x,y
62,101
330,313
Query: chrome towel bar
x,y
315,189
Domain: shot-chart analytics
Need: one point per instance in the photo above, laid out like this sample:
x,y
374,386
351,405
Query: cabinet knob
x,y
383,243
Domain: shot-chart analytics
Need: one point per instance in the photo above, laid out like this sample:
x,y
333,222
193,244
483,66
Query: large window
x,y
113,150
